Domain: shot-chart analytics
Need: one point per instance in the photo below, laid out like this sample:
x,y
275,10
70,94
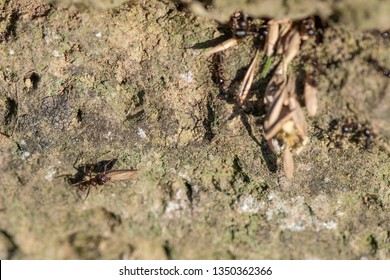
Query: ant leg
x,y
79,176
77,159
86,196
105,166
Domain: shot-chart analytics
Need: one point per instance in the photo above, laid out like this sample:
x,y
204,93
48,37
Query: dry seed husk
x,y
248,79
221,47
288,163
310,98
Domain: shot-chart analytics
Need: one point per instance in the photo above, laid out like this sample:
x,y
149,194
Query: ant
x,y
353,132
242,25
217,71
386,34
348,128
369,138
101,178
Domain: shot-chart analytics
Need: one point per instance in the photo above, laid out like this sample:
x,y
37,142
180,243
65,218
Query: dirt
x,y
84,84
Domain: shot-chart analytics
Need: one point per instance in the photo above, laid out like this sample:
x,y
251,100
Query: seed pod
x,y
221,47
248,80
310,96
277,100
288,164
273,36
284,35
298,117
292,49
277,127
273,88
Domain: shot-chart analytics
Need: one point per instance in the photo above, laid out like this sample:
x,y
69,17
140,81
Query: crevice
x,y
209,120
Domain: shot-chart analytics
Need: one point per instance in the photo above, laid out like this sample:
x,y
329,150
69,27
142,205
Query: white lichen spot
x,y
281,208
339,213
250,205
269,214
184,175
50,174
108,135
298,199
172,207
296,214
293,225
56,53
329,225
25,155
141,133
46,39
50,36
187,77
178,205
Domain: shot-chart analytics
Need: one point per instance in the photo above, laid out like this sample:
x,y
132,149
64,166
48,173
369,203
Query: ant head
x,y
101,178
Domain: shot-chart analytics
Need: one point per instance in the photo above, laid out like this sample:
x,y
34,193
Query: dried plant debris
x,y
241,26
285,124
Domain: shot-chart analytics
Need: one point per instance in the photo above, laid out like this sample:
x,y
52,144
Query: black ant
x,y
386,34
353,132
307,27
348,128
217,69
369,138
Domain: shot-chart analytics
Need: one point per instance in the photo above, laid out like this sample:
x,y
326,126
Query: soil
x,y
124,85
